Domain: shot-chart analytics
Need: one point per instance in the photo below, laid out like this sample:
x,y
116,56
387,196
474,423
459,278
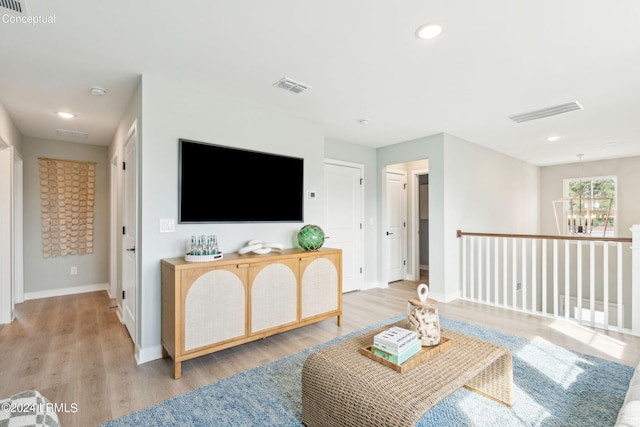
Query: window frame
x,y
613,214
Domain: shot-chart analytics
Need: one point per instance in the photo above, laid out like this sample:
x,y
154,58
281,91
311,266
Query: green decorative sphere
x,y
311,237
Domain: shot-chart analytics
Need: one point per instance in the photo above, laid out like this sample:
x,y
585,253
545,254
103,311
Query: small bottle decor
x,y
203,249
422,314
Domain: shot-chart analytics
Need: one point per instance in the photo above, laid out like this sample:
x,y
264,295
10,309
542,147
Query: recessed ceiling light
x,y
553,138
428,31
364,122
65,115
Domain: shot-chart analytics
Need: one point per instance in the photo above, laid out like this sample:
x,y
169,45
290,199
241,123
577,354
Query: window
x,y
592,198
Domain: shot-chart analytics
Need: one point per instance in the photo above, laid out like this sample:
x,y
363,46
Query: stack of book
x,y
396,344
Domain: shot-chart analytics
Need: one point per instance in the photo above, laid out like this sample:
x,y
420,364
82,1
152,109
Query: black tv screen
x,y
224,184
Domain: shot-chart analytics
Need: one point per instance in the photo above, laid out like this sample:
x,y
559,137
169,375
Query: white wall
x,y
485,192
471,188
50,277
626,169
182,109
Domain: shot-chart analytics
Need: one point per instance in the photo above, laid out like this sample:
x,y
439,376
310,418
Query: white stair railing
x,y
593,281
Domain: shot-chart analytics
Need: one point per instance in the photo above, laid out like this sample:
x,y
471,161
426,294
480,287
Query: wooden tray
x,y
413,361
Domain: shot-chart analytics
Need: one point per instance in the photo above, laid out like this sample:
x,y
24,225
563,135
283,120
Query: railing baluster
x,y
496,272
592,283
534,269
567,278
487,258
514,279
505,278
635,280
480,284
555,278
472,269
464,267
579,281
523,284
605,284
544,277
621,306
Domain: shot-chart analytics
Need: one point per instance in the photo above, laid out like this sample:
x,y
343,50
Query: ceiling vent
x,y
15,6
546,112
291,85
72,134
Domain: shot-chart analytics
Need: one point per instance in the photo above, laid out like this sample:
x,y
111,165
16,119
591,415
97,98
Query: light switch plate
x,y
167,225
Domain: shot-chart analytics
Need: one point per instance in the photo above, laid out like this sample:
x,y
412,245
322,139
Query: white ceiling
x,y
495,58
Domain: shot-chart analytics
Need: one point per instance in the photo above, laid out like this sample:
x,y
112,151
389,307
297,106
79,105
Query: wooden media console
x,y
211,306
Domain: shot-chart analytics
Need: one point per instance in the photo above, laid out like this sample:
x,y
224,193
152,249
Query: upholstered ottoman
x,y
29,408
629,414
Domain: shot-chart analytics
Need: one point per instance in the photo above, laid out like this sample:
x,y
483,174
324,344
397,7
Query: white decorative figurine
x,y
260,247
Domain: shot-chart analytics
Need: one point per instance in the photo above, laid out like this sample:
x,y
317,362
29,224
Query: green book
x,y
398,359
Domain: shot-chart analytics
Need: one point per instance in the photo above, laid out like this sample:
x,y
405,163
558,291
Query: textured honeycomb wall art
x,y
67,196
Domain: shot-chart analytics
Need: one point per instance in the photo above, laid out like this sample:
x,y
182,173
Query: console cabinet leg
x,y
177,370
339,319
165,353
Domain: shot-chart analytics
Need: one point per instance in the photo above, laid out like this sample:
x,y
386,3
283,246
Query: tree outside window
x,y
596,195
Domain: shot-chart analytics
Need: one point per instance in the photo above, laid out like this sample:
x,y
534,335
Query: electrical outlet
x,y
73,271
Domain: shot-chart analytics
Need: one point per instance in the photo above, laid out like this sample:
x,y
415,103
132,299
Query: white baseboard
x,y
444,297
65,291
374,284
112,296
144,355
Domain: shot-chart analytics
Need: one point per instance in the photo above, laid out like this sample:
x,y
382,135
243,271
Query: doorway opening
x,y
411,211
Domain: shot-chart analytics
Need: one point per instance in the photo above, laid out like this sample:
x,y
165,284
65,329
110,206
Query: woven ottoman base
x,y
341,387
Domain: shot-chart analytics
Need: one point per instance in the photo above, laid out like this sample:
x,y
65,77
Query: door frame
x,y
134,136
11,229
360,243
6,265
18,227
113,227
385,245
414,224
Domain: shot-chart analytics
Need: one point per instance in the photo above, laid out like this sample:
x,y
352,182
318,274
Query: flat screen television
x,y
225,184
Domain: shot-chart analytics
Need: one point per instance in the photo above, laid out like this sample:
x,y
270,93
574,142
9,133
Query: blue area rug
x,y
552,387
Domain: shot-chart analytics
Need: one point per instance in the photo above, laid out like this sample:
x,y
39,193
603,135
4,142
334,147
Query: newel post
x,y
635,279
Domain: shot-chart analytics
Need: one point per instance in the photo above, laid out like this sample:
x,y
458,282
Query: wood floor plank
x,y
75,350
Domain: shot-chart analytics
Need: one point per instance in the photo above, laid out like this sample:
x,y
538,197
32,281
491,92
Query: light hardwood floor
x,y
74,349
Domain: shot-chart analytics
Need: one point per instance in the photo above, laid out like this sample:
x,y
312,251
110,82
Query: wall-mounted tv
x,y
225,184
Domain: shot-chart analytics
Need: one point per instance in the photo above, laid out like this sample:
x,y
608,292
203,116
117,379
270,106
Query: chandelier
x,y
581,213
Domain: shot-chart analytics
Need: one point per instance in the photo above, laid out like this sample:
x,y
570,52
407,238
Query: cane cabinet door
x,y
214,305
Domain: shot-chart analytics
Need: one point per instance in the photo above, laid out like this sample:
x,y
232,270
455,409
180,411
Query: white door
x,y
343,209
129,220
395,225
